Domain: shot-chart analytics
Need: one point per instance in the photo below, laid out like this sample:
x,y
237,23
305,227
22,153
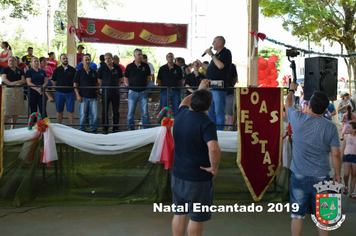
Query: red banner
x,y
133,33
2,128
260,127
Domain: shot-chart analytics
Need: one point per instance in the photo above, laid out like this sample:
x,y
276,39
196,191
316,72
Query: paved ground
x,y
139,219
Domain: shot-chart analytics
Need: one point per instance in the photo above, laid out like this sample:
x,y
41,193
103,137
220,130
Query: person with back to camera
x,y
196,160
348,152
314,137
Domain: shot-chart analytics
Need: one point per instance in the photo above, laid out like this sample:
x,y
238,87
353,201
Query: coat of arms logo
x,y
328,206
90,27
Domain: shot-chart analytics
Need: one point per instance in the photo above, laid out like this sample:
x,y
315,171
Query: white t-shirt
x,y
298,91
151,68
350,144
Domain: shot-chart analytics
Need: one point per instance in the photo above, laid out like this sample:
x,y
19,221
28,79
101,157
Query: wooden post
x,y
49,25
72,20
252,59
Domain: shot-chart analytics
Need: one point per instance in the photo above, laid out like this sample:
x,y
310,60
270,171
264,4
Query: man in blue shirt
x,y
314,138
330,111
92,64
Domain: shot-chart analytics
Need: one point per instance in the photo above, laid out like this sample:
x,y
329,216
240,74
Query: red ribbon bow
x,y
289,131
259,35
42,126
168,122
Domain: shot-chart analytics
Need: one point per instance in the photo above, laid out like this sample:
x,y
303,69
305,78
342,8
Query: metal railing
x,y
150,91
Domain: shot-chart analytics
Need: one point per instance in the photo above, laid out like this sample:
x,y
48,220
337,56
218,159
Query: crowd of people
x,y
208,107
46,78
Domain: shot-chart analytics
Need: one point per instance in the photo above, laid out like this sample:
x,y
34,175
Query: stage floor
x,y
139,219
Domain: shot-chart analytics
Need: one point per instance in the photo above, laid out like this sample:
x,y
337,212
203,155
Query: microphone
x,y
205,52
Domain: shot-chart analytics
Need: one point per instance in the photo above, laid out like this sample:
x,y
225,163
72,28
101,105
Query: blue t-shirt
x,y
92,65
313,138
191,132
331,108
37,77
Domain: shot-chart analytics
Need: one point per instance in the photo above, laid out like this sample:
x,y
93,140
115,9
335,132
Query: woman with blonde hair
x,y
36,76
14,102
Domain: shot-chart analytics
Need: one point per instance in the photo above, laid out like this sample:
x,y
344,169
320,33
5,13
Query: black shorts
x,y
194,194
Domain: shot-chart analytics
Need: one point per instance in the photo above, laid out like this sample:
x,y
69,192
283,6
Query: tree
x,y
330,20
19,45
61,23
149,51
19,8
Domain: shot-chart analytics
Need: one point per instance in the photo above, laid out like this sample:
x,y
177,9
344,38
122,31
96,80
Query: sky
x,y
224,17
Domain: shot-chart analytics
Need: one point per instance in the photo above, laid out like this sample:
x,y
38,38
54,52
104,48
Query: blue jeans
x,y
302,192
88,105
340,116
135,97
174,97
217,109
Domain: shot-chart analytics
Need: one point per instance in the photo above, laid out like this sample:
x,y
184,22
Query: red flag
x,y
260,135
133,33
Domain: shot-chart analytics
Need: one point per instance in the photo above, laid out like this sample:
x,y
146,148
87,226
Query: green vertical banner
x,y
2,128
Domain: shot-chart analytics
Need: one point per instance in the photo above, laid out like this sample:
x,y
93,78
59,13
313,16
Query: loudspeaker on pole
x,y
320,75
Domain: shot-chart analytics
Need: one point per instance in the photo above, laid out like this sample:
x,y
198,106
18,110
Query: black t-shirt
x,y
110,77
193,80
192,131
138,75
214,73
64,77
27,60
230,81
170,77
86,78
12,75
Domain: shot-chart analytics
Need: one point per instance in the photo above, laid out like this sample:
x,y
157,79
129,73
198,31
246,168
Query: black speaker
x,y
320,75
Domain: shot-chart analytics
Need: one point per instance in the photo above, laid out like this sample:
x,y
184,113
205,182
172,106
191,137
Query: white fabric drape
x,y
109,144
116,143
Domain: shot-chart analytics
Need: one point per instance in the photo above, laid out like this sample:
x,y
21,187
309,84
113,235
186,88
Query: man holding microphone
x,y
218,70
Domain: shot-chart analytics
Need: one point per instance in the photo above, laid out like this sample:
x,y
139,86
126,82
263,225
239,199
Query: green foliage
x,y
324,19
149,51
266,52
60,15
19,8
106,3
330,20
19,44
